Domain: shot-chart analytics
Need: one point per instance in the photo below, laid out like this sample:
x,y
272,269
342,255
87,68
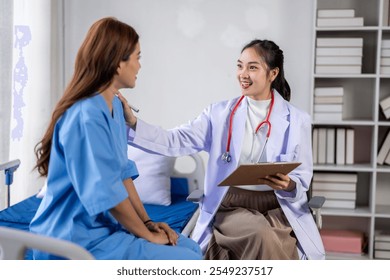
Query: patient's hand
x,y
163,227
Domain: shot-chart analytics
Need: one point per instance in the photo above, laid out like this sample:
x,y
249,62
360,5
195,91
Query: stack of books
x,y
385,106
382,245
333,145
328,103
385,57
338,18
339,56
339,189
384,151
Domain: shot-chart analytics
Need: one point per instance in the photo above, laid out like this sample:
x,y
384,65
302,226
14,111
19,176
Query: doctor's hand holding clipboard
x,y
265,220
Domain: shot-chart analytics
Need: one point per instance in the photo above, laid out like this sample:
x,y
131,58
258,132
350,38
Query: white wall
x,y
190,48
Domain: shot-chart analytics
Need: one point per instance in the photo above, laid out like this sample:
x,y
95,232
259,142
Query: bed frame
x,y
16,240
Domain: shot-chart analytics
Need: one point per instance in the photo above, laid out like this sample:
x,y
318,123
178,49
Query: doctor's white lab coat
x,y
290,140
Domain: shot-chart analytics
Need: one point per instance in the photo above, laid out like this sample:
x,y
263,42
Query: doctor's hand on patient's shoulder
x,y
163,227
131,120
280,182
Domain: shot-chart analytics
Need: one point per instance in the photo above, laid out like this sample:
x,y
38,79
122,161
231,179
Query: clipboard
x,y
253,174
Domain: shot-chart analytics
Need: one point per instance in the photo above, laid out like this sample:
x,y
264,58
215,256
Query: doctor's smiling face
x,y
254,75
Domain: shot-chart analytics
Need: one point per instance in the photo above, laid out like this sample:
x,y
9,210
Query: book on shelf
x,y
328,100
315,145
385,52
382,235
330,145
338,60
339,42
326,116
384,150
340,22
335,13
334,186
347,195
385,44
336,177
382,245
385,19
387,159
385,61
385,103
343,241
340,203
349,145
340,145
321,159
338,69
328,108
379,254
329,91
386,112
339,51
385,69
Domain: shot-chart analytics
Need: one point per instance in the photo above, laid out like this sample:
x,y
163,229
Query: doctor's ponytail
x,y
273,56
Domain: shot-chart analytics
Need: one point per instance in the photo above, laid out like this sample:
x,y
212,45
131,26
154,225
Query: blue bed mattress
x,y
176,215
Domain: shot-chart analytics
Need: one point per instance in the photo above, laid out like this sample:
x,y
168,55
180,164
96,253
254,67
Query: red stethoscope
x,y
226,157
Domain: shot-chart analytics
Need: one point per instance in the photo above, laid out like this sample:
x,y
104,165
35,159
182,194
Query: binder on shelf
x,y
385,70
385,44
382,245
349,146
340,145
385,53
330,145
339,51
321,145
384,150
379,254
335,13
385,61
315,145
382,235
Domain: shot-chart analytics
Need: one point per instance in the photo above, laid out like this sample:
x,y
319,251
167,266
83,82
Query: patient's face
x,y
128,70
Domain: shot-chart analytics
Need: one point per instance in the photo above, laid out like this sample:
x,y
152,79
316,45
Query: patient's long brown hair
x,y
107,43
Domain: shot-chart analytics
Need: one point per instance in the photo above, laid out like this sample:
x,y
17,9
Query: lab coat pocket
x,y
287,157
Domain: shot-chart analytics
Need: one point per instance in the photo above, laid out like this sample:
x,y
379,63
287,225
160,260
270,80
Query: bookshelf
x,y
364,87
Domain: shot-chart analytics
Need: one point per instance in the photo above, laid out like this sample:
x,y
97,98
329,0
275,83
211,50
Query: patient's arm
x,y
125,214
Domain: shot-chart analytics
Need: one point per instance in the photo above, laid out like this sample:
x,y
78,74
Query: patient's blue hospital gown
x,y
88,163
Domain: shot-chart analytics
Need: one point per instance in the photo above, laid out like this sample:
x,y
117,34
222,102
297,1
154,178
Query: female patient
x,y
90,198
270,221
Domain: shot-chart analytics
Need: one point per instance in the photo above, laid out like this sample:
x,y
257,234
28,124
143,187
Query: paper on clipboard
x,y
252,174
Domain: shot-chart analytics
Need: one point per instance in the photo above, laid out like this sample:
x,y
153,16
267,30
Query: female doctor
x,y
269,221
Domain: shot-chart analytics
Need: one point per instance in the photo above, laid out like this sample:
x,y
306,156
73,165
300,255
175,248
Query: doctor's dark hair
x,y
273,56
107,43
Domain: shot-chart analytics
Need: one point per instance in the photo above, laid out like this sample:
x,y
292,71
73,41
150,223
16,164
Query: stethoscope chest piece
x,y
226,157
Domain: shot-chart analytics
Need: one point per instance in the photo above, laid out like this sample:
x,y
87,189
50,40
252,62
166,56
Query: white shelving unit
x,y
361,111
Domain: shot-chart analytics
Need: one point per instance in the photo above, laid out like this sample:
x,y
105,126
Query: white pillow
x,y
154,181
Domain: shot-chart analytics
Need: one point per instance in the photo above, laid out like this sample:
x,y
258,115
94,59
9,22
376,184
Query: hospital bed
x,y
16,240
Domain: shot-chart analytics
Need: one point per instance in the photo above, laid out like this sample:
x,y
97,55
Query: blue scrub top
x,y
88,163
